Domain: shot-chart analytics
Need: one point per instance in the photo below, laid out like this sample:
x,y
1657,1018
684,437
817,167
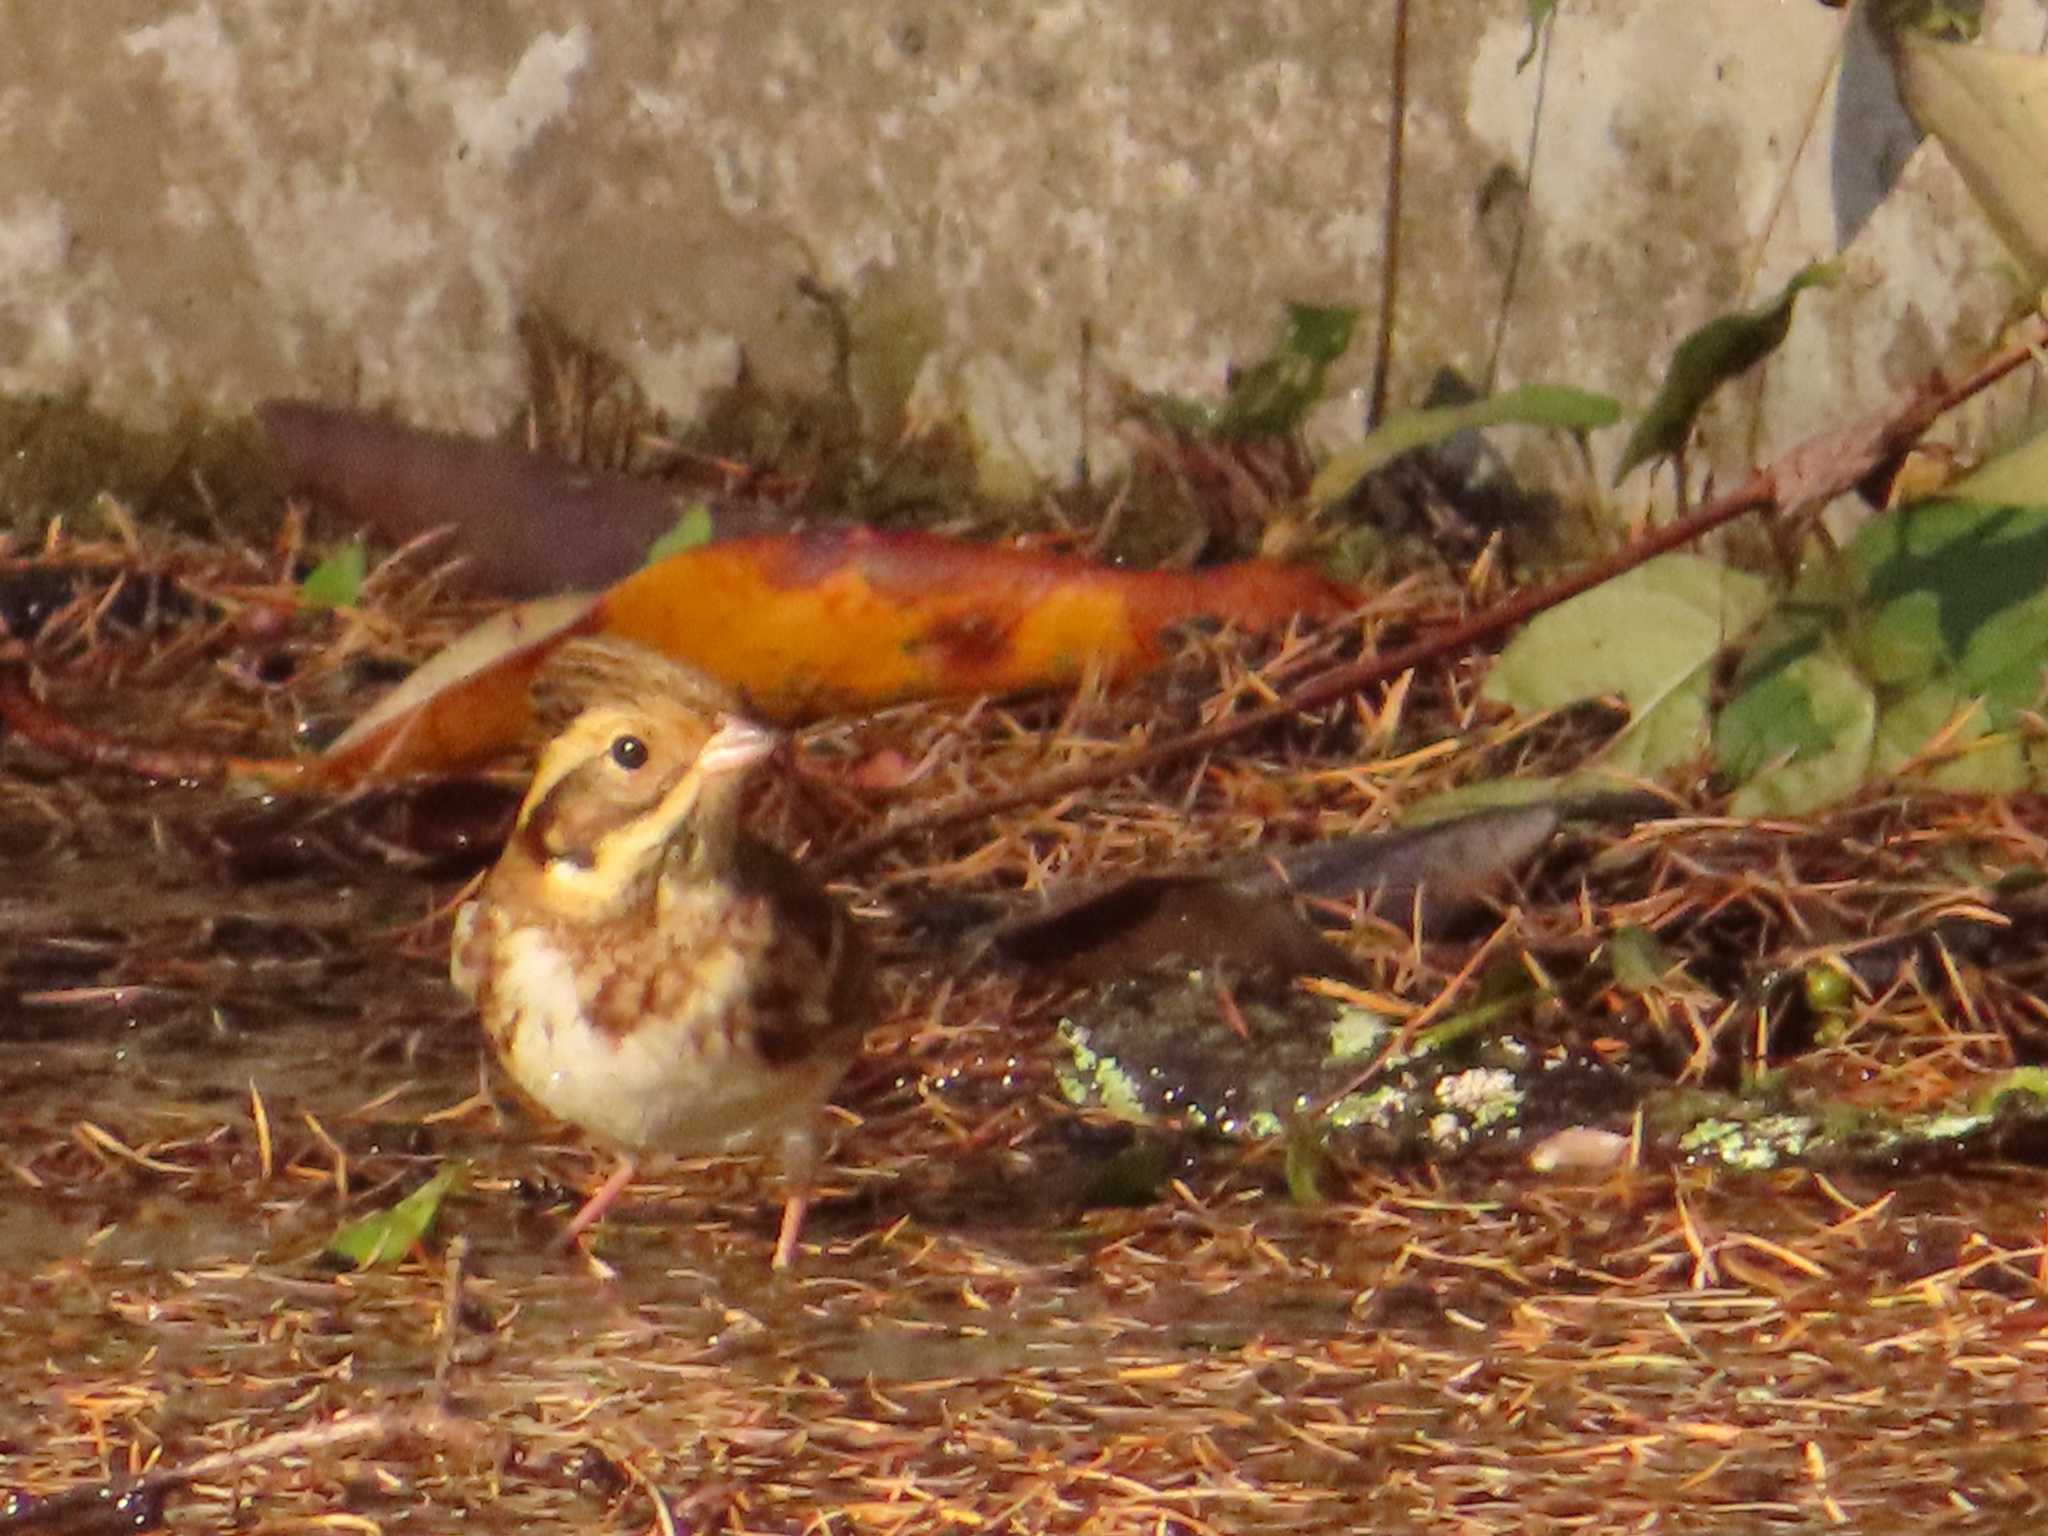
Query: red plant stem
x,y
28,717
1814,472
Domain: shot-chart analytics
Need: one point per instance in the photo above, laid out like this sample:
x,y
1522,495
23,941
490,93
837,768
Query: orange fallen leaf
x,y
849,618
835,620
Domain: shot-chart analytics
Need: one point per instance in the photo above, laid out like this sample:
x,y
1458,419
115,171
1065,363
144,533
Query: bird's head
x,y
642,775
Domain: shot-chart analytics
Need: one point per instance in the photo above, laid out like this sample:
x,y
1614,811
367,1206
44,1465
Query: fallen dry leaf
x,y
522,524
837,620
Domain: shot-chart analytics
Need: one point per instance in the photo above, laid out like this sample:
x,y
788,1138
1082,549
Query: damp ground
x,y
203,1074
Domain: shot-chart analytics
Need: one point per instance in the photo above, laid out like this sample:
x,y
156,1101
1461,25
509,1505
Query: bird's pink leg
x,y
799,1172
793,1210
599,1203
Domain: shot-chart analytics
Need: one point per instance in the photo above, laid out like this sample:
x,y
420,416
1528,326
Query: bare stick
x,y
451,1319
1390,254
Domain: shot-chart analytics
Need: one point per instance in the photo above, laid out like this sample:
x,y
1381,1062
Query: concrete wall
x,y
215,201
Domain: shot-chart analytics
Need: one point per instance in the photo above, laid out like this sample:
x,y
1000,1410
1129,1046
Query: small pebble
x,y
1578,1149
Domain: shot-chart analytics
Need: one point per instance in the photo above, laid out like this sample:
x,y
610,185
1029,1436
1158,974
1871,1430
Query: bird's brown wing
x,y
816,990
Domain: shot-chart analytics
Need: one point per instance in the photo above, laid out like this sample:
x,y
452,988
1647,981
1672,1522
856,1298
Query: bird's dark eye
x,y
629,752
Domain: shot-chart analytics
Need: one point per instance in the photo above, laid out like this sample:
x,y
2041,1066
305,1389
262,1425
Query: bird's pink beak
x,y
735,745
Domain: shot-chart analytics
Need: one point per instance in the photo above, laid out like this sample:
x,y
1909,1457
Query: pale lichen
x,y
1754,1145
1158,1046
1948,1126
1094,1079
1356,1033
1485,1095
1376,1108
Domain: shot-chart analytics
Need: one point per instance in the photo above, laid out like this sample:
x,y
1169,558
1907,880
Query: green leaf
x,y
1357,551
2019,474
1539,13
1722,349
2004,658
1770,722
1964,589
385,1237
1978,560
692,529
1974,759
1133,1176
1532,405
1941,21
1308,1157
1902,646
1990,111
337,581
1638,961
1939,610
1649,635
1799,738
1272,397
1502,995
1827,598
1665,731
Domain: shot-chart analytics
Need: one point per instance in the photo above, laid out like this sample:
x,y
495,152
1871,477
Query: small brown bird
x,y
643,968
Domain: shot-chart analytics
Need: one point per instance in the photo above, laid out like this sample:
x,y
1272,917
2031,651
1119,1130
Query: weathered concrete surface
x,y
211,202
1683,170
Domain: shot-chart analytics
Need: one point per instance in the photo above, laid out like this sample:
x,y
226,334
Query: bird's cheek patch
x,y
578,815
558,828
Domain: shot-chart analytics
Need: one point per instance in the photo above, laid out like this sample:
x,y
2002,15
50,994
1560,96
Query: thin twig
x,y
1390,254
28,717
1512,279
451,1319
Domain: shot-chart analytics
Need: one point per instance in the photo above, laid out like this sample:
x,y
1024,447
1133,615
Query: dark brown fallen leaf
x,y
524,525
1442,865
1237,915
1149,921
